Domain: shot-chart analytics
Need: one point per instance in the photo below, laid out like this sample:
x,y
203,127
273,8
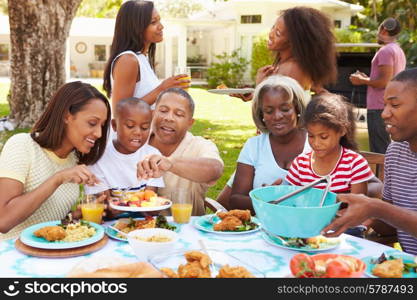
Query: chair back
x,y
376,162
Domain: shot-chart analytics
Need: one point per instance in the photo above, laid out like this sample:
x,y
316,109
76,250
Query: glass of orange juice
x,y
184,71
92,209
182,206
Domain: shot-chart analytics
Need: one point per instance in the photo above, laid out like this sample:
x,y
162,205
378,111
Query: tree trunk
x,y
38,34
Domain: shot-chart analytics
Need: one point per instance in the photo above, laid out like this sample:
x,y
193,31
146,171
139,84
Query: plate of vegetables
x,y
313,244
326,265
127,225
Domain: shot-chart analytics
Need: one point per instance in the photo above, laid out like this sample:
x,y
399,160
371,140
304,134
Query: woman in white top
x,y
130,69
264,159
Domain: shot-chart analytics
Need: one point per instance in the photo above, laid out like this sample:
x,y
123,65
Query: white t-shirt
x,y
257,152
116,170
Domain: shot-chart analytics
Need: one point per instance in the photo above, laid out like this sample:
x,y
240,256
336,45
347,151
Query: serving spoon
x,y
117,230
273,235
212,265
217,206
293,193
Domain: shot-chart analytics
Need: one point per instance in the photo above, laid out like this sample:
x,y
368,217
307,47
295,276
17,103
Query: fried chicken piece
x,y
121,225
243,215
193,270
228,224
142,224
169,272
203,259
197,265
389,269
51,233
221,86
234,272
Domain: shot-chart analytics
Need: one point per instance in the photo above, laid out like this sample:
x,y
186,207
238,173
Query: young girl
x,y
130,68
331,128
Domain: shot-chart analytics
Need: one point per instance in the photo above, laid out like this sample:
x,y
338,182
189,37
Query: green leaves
x,y
228,70
261,55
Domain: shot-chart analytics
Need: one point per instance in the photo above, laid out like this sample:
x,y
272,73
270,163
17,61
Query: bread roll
x,y
132,270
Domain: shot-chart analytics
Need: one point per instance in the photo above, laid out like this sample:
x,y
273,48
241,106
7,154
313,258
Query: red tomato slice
x,y
302,266
337,268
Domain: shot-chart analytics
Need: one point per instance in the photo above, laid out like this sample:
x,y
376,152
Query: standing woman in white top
x,y
130,69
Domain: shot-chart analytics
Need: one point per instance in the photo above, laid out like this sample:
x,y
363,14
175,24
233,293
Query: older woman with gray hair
x,y
278,103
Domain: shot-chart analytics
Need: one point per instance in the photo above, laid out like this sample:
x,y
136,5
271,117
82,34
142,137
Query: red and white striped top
x,y
351,168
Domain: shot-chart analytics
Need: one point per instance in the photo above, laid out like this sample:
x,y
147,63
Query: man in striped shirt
x,y
400,183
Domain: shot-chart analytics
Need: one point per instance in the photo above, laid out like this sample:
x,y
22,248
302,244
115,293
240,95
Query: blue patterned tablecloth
x,y
250,248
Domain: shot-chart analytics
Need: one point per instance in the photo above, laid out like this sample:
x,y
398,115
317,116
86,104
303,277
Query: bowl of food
x,y
198,263
300,216
145,242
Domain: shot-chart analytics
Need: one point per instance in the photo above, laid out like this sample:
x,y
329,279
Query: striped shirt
x,y
400,185
351,168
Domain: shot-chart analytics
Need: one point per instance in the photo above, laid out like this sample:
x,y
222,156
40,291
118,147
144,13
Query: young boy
x,y
117,168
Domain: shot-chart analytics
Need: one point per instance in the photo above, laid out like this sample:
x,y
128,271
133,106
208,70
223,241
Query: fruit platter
x,y
144,200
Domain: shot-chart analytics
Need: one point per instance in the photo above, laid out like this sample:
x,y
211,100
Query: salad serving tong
x,y
326,178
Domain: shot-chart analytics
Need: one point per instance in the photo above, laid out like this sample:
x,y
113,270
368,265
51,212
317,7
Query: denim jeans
x,y
378,137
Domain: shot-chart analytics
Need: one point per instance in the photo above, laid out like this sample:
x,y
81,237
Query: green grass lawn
x,y
224,120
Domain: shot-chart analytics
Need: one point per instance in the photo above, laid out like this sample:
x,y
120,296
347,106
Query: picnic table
x,y
251,248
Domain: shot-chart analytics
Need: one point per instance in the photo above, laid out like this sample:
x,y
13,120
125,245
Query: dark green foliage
x,y
228,70
261,55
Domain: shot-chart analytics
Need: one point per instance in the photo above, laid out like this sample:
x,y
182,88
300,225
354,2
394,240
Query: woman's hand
x,y
177,81
264,72
244,97
79,174
276,182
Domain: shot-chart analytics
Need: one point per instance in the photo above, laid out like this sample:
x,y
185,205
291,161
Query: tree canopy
x,y
178,8
99,9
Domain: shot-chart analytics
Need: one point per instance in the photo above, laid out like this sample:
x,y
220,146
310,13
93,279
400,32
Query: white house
x,y
223,27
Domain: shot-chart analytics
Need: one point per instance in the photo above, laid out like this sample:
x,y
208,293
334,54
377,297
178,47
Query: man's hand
x,y
358,78
359,209
153,166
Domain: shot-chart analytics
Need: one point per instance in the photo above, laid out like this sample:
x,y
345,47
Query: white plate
x,y
232,91
220,258
135,209
278,243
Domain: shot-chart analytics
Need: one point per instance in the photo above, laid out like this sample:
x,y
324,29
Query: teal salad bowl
x,y
297,217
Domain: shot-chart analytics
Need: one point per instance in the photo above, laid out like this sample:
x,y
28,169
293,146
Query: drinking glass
x,y
182,205
92,208
184,71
